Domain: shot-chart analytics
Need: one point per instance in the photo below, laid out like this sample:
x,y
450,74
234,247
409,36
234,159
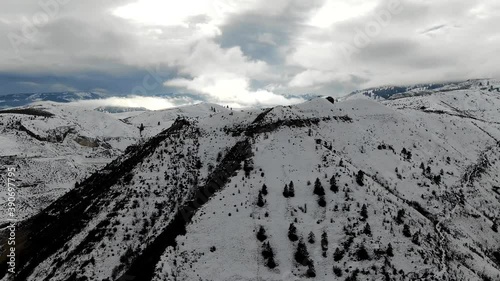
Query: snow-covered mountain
x,y
396,92
407,189
55,145
52,146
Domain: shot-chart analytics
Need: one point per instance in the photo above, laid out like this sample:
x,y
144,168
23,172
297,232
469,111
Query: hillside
x,y
356,190
397,92
52,146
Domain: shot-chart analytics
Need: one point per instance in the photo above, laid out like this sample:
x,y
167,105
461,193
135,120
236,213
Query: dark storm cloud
x,y
264,36
91,81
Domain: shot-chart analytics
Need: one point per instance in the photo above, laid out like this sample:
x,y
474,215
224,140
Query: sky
x,y
243,52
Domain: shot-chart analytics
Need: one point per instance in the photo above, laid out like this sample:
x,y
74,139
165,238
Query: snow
x,y
8,147
449,210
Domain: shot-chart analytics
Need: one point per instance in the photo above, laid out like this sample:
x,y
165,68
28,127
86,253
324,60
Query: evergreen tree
x,y
428,170
268,254
416,238
406,231
311,238
292,233
324,243
141,129
322,201
261,235
333,184
260,200
364,212
301,254
390,251
291,190
311,272
286,192
399,218
338,255
437,179
270,262
318,188
360,178
267,251
264,190
367,230
494,227
337,271
362,253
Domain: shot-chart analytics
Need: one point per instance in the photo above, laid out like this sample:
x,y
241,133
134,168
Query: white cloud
x,y
223,76
151,103
426,42
341,10
309,78
231,89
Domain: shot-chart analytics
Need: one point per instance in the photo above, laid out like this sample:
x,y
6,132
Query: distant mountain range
x,y
396,92
376,93
15,100
24,99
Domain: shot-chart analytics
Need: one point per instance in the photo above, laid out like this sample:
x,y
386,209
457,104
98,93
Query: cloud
x,y
247,52
401,52
151,103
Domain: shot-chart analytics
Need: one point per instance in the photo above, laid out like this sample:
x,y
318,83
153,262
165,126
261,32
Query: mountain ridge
x,y
389,190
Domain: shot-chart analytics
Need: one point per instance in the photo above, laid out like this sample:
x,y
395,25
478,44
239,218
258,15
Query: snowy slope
x,y
396,92
410,191
156,121
52,146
